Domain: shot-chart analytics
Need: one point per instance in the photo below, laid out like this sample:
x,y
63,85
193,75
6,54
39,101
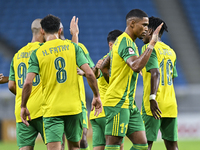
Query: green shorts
x,y
26,136
71,125
98,128
123,122
85,117
167,126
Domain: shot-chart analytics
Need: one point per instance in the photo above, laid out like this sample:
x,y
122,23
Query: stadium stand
x,y
96,19
192,12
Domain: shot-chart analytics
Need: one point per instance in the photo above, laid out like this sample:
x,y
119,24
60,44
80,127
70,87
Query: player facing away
x,y
122,116
98,122
26,136
159,96
56,62
83,143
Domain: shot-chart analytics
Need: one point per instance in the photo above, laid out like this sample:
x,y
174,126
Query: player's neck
x,y
50,37
37,39
130,34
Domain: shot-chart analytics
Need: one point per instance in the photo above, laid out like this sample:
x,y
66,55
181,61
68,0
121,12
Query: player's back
x,y
165,97
57,63
20,64
166,93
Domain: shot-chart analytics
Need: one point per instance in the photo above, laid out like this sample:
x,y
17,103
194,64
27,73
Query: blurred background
x,y
96,19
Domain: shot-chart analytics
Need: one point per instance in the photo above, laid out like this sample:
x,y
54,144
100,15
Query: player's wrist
x,y
151,45
152,97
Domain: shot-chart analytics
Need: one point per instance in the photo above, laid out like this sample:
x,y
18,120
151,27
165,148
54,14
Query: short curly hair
x,y
50,24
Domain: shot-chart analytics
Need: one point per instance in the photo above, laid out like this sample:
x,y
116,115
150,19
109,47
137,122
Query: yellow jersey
x,y
56,61
103,86
18,70
122,80
164,58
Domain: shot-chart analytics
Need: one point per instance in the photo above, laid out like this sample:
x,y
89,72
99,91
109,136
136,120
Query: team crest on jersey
x,y
131,51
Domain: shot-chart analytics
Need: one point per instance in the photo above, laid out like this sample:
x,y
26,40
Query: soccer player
x,y
26,136
122,115
98,123
56,62
3,79
83,142
159,95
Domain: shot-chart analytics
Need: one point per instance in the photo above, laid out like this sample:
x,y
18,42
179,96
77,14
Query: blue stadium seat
x,y
192,12
96,19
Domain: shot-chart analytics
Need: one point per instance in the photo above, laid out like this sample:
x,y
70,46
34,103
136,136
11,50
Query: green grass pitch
x,y
159,145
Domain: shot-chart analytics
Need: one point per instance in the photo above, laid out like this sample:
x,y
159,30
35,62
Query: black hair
x,y
155,22
50,24
136,13
112,35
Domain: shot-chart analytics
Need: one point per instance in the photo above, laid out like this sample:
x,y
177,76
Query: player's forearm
x,y
75,38
155,79
138,64
105,66
12,86
26,93
92,83
105,73
4,80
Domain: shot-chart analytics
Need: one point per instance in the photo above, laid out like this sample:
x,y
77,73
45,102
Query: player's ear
x,y
110,44
150,31
42,31
59,31
132,23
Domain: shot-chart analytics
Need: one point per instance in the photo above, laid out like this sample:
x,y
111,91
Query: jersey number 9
x,y
21,72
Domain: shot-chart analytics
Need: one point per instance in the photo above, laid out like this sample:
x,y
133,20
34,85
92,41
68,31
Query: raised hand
x,y
155,109
156,33
74,26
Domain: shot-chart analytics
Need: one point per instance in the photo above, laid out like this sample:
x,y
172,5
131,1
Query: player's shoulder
x,y
144,47
82,46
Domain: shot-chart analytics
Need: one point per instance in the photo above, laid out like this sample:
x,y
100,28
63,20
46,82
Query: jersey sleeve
x,y
87,55
152,62
33,63
175,73
80,57
12,71
126,50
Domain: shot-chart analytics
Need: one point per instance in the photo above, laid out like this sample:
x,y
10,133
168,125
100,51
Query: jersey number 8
x,y
61,74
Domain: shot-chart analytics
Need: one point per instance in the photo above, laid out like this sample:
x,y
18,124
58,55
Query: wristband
x,y
152,96
150,46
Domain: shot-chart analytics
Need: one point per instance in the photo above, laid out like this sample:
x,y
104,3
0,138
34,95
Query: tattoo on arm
x,y
105,66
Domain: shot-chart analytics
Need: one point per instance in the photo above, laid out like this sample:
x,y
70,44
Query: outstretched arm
x,y
105,66
137,63
3,79
96,102
26,92
155,79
